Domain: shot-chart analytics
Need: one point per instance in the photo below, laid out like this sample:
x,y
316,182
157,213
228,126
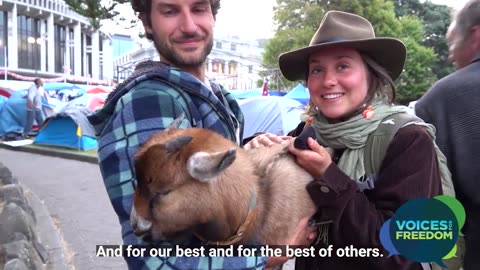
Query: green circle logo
x,y
424,230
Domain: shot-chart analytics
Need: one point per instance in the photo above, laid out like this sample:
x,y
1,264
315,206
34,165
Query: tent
x,y
6,92
2,101
277,115
299,93
13,86
57,86
63,90
13,114
69,127
98,90
246,93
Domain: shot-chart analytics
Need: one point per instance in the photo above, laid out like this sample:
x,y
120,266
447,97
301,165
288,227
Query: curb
x,y
52,152
47,232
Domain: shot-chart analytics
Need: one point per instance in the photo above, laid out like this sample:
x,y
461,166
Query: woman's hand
x,y
314,161
304,235
266,139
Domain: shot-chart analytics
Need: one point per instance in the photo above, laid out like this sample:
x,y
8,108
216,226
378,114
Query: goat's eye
x,y
158,196
165,192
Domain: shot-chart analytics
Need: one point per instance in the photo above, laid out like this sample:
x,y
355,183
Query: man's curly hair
x,y
143,8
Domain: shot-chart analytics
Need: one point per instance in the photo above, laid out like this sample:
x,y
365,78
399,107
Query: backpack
x,y
376,148
377,145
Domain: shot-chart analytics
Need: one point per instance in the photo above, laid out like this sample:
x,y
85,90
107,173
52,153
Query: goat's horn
x,y
176,143
205,166
176,123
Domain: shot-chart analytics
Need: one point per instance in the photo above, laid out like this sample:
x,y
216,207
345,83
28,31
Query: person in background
x,y
154,96
350,73
34,106
452,105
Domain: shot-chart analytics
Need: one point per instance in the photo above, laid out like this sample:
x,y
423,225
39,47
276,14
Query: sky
x,y
252,19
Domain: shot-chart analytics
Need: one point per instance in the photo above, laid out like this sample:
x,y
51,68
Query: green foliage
x,y
95,11
417,76
436,19
297,21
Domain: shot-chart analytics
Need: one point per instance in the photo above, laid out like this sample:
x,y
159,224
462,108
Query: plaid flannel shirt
x,y
140,108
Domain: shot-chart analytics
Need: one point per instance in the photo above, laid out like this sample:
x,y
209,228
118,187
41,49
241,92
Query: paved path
x,y
75,196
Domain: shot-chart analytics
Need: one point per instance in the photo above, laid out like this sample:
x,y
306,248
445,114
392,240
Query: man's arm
x,y
138,115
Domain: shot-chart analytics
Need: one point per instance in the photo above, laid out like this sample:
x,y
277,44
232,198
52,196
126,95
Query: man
x,y
34,106
452,105
459,54
155,95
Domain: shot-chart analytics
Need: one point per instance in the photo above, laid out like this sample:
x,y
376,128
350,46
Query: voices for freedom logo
x,y
424,230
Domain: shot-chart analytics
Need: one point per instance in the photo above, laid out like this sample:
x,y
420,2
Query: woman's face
x,y
337,81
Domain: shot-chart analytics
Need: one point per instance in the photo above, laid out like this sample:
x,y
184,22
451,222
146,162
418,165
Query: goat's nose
x,y
139,225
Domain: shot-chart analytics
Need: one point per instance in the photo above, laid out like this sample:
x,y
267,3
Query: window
x,y
61,46
233,47
28,53
3,35
218,45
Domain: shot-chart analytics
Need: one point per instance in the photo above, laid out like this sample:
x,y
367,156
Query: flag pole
x,y
79,135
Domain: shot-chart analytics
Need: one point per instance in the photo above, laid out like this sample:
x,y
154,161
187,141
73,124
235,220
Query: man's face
x,y
460,54
182,31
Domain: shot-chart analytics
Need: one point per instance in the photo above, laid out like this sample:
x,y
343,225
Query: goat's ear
x,y
176,123
206,166
177,143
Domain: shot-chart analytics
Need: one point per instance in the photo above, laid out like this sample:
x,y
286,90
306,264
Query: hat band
x,y
331,40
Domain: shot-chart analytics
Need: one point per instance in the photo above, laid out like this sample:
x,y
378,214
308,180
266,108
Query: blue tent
x,y
57,86
277,115
2,101
13,114
299,93
62,131
245,94
69,127
276,93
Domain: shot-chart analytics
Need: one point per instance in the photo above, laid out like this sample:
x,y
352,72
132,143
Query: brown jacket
x,y
409,171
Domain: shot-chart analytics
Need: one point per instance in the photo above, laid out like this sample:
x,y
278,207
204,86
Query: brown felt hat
x,y
345,29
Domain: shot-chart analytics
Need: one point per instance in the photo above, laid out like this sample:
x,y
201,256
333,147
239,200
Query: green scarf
x,y
352,135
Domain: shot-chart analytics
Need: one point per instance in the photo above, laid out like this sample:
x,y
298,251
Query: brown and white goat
x,y
194,181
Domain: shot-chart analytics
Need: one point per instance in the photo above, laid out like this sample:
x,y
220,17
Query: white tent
x,y
273,114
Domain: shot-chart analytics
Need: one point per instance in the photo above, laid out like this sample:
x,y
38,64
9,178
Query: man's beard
x,y
176,59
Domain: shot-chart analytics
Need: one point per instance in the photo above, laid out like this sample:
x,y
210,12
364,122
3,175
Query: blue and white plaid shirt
x,y
136,110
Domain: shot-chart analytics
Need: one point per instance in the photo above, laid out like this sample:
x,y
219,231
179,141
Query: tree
x,y
297,20
95,11
436,19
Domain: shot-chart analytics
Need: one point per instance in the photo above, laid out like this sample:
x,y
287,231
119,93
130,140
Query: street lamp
x,y
4,57
37,41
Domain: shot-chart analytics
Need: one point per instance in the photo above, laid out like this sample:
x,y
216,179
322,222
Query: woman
x,y
350,75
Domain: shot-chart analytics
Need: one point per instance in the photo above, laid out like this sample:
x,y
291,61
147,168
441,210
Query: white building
x,y
45,38
233,63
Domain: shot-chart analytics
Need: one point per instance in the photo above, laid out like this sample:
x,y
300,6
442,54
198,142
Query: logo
x,y
424,230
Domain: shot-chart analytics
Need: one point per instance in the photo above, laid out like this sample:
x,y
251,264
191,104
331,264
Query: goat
x,y
194,181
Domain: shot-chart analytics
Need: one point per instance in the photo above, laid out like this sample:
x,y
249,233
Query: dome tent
x,y
277,115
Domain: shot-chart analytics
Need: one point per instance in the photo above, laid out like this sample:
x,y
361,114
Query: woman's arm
x,y
408,171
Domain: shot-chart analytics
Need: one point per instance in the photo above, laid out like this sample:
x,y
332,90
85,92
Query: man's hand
x,y
266,139
304,235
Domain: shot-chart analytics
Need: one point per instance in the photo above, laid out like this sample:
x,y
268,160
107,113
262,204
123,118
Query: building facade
x,y
233,63
45,38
